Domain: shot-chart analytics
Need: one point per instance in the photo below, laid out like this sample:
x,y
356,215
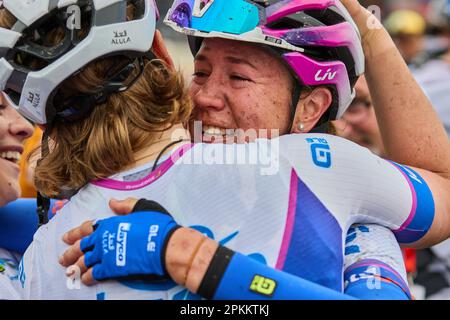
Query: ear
x,y
160,50
311,109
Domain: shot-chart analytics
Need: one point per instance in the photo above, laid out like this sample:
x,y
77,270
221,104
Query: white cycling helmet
x,y
33,89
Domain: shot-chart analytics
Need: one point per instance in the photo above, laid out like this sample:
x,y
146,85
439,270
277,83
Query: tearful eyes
x,y
238,78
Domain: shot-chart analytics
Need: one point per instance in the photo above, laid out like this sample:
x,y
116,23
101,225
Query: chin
x,y
9,192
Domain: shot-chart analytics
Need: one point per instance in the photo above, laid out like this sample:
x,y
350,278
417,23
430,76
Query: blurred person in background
x,y
13,131
434,75
359,123
407,28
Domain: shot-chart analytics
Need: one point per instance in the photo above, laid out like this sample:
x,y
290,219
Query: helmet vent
x,y
326,17
295,21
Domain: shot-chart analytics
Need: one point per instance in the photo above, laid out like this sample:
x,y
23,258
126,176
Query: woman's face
x,y
237,85
14,129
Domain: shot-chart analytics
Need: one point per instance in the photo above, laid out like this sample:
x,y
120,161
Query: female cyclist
x,y
13,131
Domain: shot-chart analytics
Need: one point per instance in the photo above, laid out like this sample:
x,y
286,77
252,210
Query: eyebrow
x,y
235,60
230,59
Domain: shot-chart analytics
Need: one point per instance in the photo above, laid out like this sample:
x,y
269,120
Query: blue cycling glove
x,y
131,246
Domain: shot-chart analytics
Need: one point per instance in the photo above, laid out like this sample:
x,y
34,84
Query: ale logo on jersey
x,y
263,285
320,151
121,248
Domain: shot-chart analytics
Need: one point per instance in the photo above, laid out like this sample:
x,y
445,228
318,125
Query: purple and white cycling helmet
x,y
316,38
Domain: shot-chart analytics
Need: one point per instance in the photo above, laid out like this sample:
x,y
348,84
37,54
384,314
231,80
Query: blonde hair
x,y
105,142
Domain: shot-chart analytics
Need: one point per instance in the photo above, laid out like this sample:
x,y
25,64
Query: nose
x,y
209,96
20,127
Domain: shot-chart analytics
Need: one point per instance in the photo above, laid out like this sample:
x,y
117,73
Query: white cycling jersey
x,y
289,205
9,275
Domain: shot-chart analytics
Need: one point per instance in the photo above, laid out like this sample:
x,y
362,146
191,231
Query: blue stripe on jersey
x,y
377,278
422,212
315,247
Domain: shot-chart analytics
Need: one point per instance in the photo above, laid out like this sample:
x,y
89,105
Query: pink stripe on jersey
x,y
414,201
289,221
152,177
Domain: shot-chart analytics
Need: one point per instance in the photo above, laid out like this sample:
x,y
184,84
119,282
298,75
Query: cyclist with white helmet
x,y
288,181
13,131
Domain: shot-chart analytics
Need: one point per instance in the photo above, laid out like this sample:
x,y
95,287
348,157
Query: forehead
x,y
254,53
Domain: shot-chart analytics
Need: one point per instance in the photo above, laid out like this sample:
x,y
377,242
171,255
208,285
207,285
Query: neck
x,y
150,153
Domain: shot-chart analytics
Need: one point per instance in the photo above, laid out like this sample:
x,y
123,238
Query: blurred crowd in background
x,y
421,30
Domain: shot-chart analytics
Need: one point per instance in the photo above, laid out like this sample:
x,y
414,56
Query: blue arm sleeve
x,y
374,265
18,223
422,214
235,276
373,280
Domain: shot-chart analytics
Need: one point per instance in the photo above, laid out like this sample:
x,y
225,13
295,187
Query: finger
x,y
122,207
92,257
78,233
88,243
71,255
88,279
81,265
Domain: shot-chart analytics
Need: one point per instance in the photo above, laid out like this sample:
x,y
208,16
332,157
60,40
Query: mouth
x,y
12,155
214,134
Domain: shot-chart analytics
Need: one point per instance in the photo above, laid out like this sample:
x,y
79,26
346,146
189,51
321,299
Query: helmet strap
x,y
43,202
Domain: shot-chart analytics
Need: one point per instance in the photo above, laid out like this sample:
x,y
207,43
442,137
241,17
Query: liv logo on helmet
x,y
121,250
327,76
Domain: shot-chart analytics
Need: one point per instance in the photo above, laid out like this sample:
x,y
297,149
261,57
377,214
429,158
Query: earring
x,y
301,127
